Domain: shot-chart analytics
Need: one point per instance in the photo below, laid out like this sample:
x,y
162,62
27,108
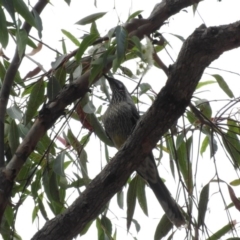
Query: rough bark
x,y
55,108
199,50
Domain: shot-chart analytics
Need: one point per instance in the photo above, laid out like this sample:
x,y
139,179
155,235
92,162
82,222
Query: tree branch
x,y
9,78
199,50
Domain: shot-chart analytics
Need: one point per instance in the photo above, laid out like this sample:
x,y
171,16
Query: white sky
x,y
60,16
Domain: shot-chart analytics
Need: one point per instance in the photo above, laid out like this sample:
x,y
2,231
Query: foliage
x,y
59,165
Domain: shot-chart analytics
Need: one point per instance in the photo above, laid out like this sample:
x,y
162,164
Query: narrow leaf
x,y
35,100
13,136
71,37
131,201
58,164
217,235
3,29
86,42
22,39
163,228
223,85
202,207
121,37
23,10
141,194
53,88
234,199
91,18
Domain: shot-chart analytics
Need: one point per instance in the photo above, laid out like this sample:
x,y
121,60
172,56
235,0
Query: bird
x,y
119,121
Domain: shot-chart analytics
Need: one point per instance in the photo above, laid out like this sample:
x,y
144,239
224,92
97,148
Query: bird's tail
x,y
169,205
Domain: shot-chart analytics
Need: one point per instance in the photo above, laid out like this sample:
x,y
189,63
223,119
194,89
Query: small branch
x,y
8,81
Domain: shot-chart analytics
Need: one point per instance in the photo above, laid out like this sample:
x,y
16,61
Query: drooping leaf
x,y
232,145
163,228
38,23
183,155
86,42
58,164
14,112
107,225
217,235
3,29
133,15
13,136
137,225
204,107
204,83
35,100
121,38
141,194
91,18
144,88
202,206
8,5
71,37
131,201
233,197
53,88
23,10
22,39
204,145
120,199
94,30
223,85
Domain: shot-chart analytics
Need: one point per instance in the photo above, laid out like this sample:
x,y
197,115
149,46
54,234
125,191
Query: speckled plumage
x,y
119,121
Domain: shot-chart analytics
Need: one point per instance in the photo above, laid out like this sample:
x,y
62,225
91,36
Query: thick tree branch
x,y
9,79
199,50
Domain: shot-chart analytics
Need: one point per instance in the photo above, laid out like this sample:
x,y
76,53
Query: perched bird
x,y
119,121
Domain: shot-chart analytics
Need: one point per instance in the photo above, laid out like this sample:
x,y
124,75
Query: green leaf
x,y
121,37
14,112
205,108
163,228
22,39
60,75
137,225
94,30
35,100
35,213
38,23
8,5
133,15
131,201
58,164
182,39
204,145
23,10
144,88
13,136
233,126
183,154
53,88
85,229
42,208
120,199
3,29
86,42
223,85
91,18
202,207
71,37
217,235
235,182
141,194
232,145
204,83
107,225
8,214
